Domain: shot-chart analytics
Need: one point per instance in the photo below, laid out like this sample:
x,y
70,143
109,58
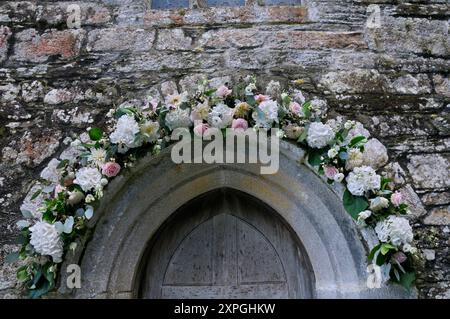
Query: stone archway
x,y
140,201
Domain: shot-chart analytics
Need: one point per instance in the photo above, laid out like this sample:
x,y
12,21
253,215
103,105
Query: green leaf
x,y
123,111
306,107
373,252
36,194
303,136
407,279
22,273
62,164
356,140
12,257
95,134
354,204
385,248
314,157
250,99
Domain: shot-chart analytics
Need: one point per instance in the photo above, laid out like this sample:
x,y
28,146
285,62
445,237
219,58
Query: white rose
x,y
339,177
88,178
379,203
319,135
46,240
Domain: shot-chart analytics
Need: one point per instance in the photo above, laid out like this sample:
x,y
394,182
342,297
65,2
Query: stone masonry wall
x,y
56,81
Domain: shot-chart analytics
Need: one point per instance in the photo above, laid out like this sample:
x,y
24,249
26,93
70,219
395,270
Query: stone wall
x,y
56,81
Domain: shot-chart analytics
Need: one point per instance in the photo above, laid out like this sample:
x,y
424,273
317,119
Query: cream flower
x,y
319,135
97,156
355,159
46,240
379,203
178,118
149,131
173,101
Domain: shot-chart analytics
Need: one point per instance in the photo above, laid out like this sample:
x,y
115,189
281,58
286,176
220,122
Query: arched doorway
x,y
226,244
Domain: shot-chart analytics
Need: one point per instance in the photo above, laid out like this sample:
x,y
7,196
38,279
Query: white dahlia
x,y
394,229
88,178
178,118
363,179
125,133
46,240
319,135
220,116
97,156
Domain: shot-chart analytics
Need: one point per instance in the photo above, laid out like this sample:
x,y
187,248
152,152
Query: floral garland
x,y
340,150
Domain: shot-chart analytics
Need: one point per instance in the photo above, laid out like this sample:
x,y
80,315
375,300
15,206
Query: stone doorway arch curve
x,y
138,202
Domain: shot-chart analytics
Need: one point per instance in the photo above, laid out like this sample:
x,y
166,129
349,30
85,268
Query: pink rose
x,y
223,91
261,98
110,169
397,198
400,257
295,108
239,125
210,132
200,129
330,171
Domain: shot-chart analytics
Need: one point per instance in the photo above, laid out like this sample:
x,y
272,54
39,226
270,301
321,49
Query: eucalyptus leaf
x,y
26,213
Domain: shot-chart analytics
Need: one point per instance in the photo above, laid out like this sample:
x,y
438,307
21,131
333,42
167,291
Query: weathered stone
x,y
239,38
442,85
429,254
408,84
5,34
169,88
120,39
354,81
436,198
438,216
51,172
91,13
190,82
9,92
7,271
173,39
229,15
58,96
34,47
31,92
414,203
429,171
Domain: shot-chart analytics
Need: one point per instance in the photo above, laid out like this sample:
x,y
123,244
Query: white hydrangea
x,y
266,114
394,229
375,154
363,179
220,116
319,135
46,240
335,124
273,88
88,178
178,118
125,133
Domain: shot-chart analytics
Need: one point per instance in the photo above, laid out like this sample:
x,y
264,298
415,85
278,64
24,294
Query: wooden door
x,y
226,244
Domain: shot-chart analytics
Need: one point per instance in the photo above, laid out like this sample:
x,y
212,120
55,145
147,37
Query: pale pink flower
x,y
330,171
59,189
110,169
261,98
295,108
397,198
400,257
200,129
239,125
223,91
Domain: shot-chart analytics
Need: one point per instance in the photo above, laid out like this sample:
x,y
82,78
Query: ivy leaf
x,y
407,279
95,134
354,204
22,273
